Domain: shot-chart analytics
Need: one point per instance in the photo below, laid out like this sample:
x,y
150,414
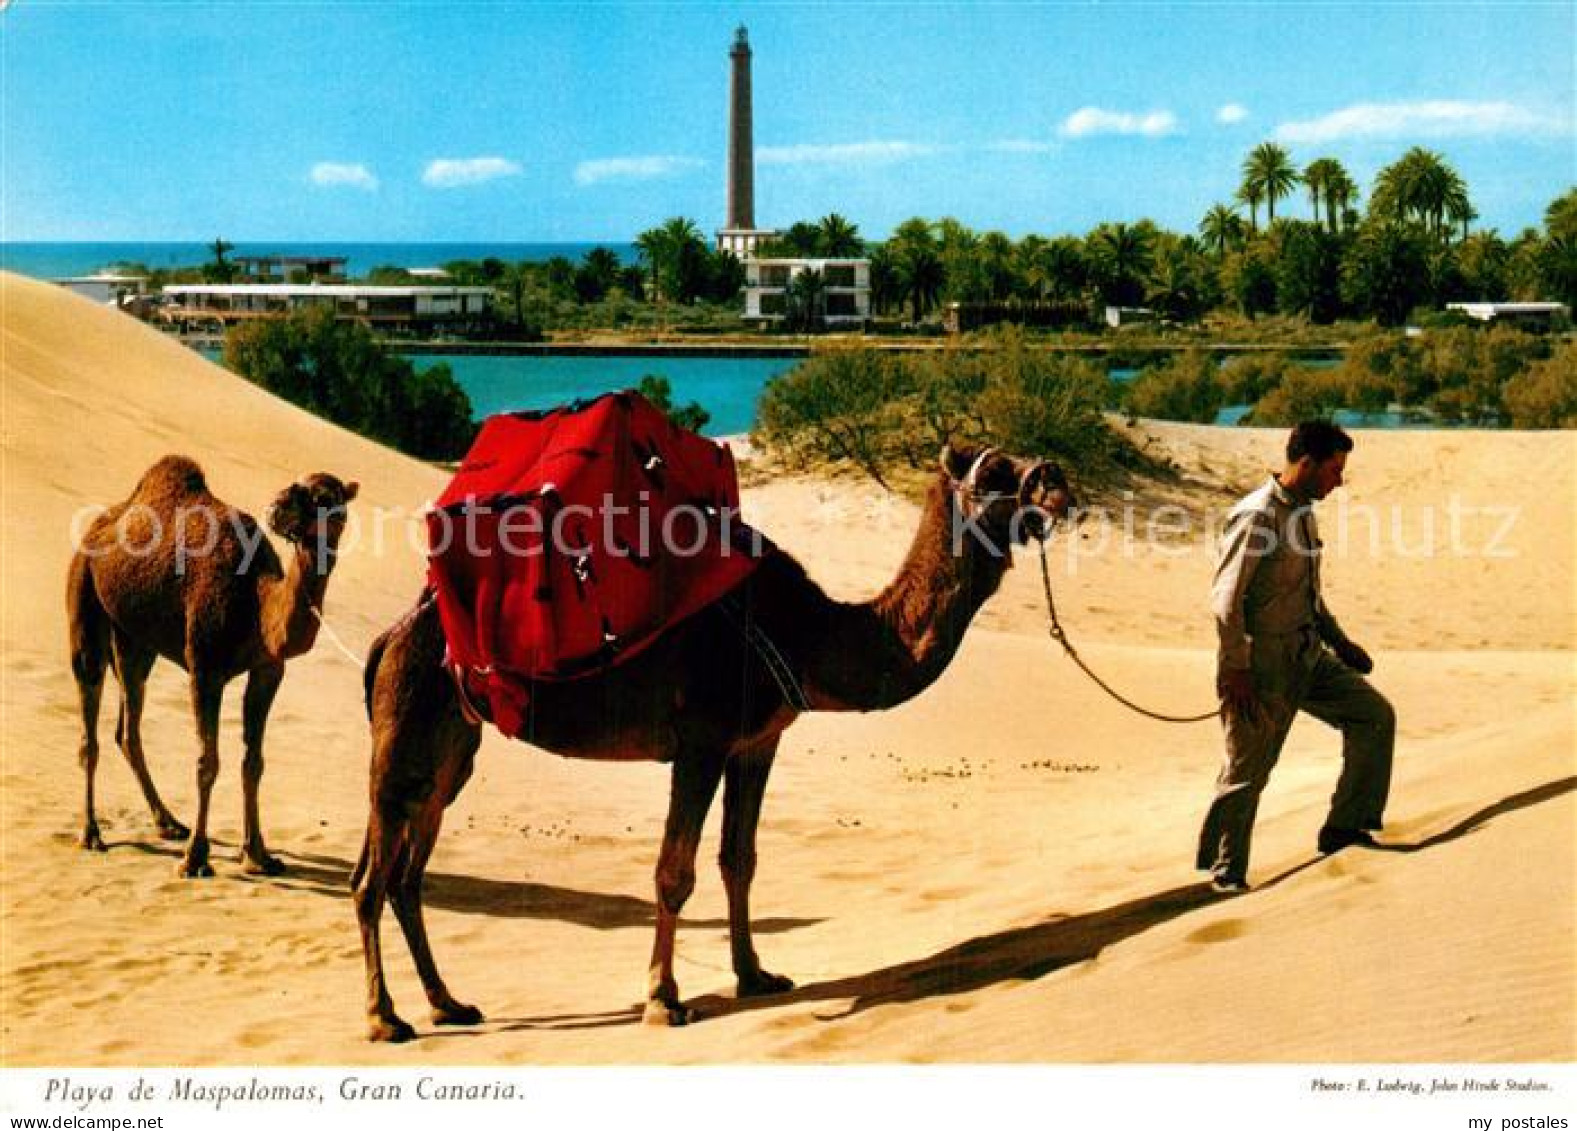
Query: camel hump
x,y
172,476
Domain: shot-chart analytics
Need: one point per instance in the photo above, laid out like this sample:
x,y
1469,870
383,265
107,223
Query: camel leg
x,y
406,891
745,781
132,665
89,640
382,852
695,778
261,684
207,696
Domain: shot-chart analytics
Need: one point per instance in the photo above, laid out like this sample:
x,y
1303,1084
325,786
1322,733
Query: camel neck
x,y
291,604
905,638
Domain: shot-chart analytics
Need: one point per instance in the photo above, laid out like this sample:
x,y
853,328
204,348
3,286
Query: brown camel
x,y
703,698
175,572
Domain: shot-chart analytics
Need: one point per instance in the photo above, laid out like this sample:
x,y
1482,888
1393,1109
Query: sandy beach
x,y
999,871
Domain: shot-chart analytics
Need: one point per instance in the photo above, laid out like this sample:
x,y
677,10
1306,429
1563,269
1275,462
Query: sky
x,y
412,121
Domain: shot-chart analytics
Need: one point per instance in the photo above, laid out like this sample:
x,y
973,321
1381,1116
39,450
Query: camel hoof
x,y
171,829
763,984
194,870
264,865
92,841
457,1014
669,1015
390,1030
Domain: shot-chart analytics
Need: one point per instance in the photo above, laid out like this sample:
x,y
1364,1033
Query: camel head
x,y
312,511
1012,497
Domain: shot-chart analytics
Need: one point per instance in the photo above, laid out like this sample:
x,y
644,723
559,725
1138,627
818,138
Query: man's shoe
x,y
1229,885
1334,840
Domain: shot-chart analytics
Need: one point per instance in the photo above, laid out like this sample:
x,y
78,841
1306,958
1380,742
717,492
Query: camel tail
x,y
369,675
89,623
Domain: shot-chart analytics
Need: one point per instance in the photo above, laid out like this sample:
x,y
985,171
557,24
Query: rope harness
x,y
1060,635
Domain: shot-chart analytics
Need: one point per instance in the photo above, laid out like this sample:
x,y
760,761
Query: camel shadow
x,y
475,895
1023,953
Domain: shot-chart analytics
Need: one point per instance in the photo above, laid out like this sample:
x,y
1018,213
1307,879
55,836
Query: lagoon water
x,y
726,387
55,260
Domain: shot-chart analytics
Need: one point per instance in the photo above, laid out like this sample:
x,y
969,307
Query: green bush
x,y
841,404
659,391
1247,378
1304,394
339,371
1045,404
879,410
1545,395
1186,386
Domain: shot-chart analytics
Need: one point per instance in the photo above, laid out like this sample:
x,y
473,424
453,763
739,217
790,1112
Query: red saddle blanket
x,y
570,540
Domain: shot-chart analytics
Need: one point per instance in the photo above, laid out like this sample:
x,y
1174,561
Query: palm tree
x,y
915,231
1251,195
995,256
807,300
221,270
1222,229
602,265
837,238
1173,287
921,276
886,285
1269,169
1329,186
801,239
1341,192
1122,255
653,247
1422,186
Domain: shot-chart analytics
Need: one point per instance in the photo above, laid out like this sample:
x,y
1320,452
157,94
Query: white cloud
x,y
1091,121
336,174
852,153
633,168
1232,113
1440,118
450,172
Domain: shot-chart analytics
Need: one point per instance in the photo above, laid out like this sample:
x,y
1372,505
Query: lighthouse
x,y
739,233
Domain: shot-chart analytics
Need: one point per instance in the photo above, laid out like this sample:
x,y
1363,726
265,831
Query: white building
x,y
425,308
1538,315
846,289
110,289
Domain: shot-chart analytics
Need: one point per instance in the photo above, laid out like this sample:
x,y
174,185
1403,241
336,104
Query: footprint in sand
x,y
1224,931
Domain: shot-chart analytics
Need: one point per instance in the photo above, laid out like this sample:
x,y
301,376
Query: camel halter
x,y
1060,635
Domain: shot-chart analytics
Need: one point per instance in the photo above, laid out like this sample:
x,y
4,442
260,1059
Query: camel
x,y
175,572
704,698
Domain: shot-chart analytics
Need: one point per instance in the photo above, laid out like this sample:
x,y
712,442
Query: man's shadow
x,y
1023,954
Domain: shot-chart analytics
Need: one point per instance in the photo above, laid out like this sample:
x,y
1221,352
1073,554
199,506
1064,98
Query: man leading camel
x,y
1281,651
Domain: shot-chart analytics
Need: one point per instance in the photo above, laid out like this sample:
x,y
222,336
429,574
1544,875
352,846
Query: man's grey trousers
x,y
1292,673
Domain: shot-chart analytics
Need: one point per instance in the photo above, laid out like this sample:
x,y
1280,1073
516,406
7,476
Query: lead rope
x,y
1061,637
334,637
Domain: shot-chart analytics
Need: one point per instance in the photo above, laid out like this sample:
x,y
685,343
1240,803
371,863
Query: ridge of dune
x,y
998,871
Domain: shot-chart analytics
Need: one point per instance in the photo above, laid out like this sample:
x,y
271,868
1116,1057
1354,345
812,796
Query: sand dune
x,y
999,871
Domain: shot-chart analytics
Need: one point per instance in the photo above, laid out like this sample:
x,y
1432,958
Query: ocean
x,y
65,260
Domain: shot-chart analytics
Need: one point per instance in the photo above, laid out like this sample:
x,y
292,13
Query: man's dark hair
x,y
1317,439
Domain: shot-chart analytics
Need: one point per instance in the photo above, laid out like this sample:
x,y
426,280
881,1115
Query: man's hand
x,y
1354,657
1236,688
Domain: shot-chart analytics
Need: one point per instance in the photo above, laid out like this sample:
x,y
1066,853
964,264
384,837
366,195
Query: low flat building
x,y
205,305
1530,315
105,287
846,289
292,268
